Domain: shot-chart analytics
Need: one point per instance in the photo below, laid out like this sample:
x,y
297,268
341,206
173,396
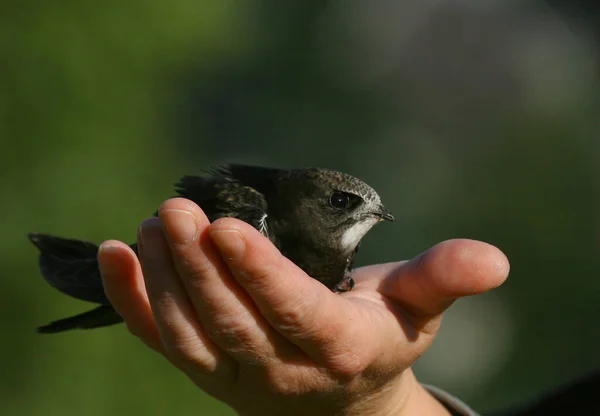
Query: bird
x,y
316,217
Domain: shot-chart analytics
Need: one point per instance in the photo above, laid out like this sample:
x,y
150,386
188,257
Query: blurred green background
x,y
475,119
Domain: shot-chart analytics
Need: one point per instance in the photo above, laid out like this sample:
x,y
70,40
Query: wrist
x,y
421,402
404,396
418,400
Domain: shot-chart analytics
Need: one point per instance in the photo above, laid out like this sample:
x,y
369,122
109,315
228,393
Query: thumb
x,y
428,284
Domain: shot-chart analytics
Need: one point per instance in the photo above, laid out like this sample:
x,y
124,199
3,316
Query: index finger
x,y
329,328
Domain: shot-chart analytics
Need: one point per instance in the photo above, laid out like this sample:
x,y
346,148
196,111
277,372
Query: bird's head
x,y
333,207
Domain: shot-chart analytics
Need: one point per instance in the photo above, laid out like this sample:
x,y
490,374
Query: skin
x,y
253,330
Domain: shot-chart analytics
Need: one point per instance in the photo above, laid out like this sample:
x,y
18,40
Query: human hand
x,y
252,329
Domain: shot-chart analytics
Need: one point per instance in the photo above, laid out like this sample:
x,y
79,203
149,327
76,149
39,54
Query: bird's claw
x,y
345,285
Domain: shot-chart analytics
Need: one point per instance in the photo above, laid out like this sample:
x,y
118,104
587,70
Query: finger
x,y
225,310
327,327
428,284
124,286
183,339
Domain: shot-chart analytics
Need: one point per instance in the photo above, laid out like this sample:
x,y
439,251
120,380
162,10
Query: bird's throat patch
x,y
354,234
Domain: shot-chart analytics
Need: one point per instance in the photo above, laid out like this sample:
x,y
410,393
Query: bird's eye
x,y
339,200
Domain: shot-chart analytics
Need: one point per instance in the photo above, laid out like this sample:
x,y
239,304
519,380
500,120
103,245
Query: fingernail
x,y
105,248
149,231
230,243
181,225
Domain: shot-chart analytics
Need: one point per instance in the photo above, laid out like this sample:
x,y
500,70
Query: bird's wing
x,y
224,194
257,177
255,217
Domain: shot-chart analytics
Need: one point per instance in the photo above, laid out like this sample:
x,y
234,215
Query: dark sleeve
x,y
580,397
455,406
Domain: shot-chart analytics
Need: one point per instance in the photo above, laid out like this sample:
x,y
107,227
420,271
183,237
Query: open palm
x,y
252,329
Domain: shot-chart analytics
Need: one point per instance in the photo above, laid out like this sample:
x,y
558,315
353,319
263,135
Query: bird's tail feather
x,y
70,266
103,315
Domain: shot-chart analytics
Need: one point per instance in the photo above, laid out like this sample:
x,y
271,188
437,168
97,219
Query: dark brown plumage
x,y
316,217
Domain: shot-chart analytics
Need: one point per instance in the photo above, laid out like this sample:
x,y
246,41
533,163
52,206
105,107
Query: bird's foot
x,y
345,285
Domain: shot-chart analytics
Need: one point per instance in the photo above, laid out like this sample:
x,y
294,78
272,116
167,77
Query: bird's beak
x,y
384,214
